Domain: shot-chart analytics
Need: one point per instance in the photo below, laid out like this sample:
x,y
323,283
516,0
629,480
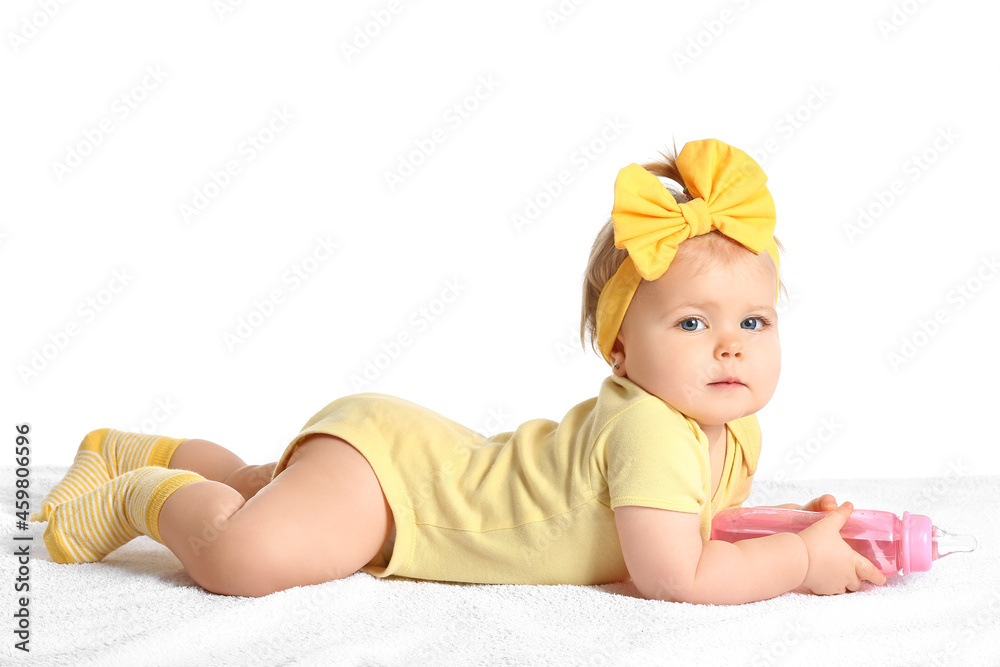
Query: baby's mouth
x,y
727,382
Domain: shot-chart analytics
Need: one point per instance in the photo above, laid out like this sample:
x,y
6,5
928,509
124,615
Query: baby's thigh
x,y
324,514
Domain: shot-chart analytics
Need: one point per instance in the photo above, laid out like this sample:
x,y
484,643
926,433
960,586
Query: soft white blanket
x,y
138,607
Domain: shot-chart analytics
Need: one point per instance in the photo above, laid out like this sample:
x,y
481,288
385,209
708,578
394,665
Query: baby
x,y
679,298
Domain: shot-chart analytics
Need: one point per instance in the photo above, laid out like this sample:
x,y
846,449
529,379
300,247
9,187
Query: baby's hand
x,y
834,567
825,503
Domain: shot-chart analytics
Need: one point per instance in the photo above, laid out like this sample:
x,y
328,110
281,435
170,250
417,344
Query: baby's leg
x,y
106,453
211,461
102,456
324,517
216,463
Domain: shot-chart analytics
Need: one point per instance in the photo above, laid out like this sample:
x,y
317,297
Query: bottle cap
x,y
916,542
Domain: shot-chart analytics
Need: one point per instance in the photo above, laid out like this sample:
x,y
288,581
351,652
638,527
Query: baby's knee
x,y
241,563
250,479
254,563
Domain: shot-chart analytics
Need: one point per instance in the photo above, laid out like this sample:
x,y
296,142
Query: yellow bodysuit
x,y
534,505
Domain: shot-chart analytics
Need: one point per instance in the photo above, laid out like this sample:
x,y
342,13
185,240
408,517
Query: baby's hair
x,y
605,258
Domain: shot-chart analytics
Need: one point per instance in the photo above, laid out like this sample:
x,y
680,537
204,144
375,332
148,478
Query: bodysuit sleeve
x,y
655,459
746,431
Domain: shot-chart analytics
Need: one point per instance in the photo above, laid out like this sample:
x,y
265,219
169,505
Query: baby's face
x,y
707,344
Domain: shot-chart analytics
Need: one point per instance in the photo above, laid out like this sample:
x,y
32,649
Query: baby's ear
x,y
618,347
617,355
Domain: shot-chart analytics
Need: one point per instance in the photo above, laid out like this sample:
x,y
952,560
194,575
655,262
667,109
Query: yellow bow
x,y
729,194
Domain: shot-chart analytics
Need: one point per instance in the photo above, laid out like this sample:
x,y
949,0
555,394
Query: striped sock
x,y
89,527
103,455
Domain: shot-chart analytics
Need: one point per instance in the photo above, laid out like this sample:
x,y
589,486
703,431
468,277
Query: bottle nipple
x,y
945,543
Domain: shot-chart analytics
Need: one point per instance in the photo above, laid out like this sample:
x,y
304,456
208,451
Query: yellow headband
x,y
729,194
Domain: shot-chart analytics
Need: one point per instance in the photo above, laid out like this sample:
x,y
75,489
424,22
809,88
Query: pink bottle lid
x,y
916,543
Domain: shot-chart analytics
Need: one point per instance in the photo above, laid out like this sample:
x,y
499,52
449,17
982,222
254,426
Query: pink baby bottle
x,y
892,544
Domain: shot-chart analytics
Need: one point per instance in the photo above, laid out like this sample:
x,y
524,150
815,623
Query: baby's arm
x,y
668,560
825,503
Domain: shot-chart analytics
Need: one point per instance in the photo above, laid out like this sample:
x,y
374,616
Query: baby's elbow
x,y
662,550
668,588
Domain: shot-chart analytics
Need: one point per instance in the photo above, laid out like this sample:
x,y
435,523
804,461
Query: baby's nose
x,y
731,348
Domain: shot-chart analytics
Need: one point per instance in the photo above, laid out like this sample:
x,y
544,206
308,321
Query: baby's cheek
x,y
769,378
768,355
775,362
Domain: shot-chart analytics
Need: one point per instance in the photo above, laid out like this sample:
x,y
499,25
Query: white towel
x,y
138,607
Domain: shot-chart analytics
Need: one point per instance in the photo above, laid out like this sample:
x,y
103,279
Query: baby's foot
x,y
89,527
103,455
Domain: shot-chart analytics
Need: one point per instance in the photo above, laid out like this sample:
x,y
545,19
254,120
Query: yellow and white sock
x,y
103,455
89,527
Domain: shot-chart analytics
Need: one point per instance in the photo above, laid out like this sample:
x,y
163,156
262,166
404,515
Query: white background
x,y
833,105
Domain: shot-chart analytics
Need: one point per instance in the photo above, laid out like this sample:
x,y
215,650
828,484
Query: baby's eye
x,y
754,323
690,324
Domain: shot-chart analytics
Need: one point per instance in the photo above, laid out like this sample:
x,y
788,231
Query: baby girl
x,y
679,298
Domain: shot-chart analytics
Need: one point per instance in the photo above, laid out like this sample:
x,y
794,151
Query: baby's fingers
x,y
824,503
867,571
838,517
